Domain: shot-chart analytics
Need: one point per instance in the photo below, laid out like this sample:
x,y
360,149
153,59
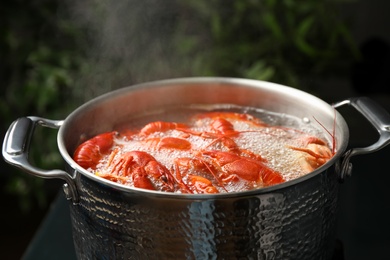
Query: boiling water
x,y
271,141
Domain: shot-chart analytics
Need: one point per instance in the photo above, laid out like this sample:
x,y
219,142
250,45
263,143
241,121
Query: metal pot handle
x,y
16,148
378,117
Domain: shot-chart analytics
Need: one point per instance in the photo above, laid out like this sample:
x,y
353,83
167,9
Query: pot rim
x,y
191,80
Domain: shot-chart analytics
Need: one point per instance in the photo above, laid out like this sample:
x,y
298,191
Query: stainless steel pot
x,y
293,220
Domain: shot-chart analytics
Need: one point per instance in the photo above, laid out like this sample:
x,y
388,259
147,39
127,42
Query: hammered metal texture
x,y
296,222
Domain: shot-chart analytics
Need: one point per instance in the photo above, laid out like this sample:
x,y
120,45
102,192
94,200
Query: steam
x,y
129,42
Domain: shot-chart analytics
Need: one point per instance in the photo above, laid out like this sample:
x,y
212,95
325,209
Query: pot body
x,y
294,220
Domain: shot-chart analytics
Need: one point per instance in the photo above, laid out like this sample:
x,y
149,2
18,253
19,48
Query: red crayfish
x,y
206,155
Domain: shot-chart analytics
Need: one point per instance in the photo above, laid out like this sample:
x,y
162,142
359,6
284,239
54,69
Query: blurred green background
x,y
56,55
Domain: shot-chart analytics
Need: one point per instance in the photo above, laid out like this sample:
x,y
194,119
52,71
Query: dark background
x,y
364,209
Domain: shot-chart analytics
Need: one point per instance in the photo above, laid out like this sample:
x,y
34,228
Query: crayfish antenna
x,y
333,133
179,180
215,176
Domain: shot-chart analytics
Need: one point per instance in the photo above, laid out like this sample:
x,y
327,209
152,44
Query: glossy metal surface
x,y
297,222
16,150
380,120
